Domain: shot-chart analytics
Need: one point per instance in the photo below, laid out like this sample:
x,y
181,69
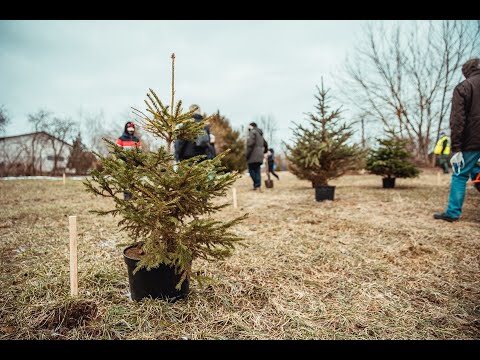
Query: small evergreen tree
x,y
391,159
169,213
80,159
228,139
320,151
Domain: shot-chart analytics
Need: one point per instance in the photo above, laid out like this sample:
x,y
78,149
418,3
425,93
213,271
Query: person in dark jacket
x,y
187,149
465,137
127,141
271,162
256,148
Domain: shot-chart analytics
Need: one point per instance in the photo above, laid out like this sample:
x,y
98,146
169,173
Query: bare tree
x,y
94,130
4,119
37,145
457,42
269,127
12,158
362,127
404,79
63,130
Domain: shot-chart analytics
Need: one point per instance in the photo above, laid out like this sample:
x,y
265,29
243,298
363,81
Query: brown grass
x,y
372,264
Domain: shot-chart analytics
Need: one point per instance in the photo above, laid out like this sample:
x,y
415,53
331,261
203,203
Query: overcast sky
x,y
245,69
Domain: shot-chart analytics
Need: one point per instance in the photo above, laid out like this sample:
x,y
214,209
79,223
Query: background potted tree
x,y
391,160
168,216
320,150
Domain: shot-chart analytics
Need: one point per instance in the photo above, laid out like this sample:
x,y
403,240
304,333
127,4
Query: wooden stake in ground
x,y
72,222
64,179
438,177
234,190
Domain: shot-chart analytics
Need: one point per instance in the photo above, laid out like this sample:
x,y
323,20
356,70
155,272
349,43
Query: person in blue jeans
x,y
465,138
256,148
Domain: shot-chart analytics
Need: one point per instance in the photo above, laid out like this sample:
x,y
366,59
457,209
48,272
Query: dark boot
x,y
445,217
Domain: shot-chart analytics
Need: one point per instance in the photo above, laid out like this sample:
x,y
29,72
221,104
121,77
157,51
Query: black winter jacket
x,y
465,114
188,149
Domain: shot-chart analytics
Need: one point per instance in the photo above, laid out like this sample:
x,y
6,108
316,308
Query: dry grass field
x,y
373,264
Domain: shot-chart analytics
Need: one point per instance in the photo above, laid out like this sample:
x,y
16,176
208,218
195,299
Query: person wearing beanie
x,y
128,141
256,148
201,146
465,138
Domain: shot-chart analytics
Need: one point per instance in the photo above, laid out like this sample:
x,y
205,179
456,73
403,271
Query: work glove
x,y
457,159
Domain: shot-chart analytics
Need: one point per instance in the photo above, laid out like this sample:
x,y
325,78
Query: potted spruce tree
x,y
391,160
320,150
169,215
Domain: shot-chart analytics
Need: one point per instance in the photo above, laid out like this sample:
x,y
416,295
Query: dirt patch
x,y
68,316
313,222
135,252
416,250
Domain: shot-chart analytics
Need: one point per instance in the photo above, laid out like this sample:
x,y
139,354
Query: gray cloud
x,y
243,68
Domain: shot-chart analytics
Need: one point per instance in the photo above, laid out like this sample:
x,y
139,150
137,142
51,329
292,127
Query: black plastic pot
x,y
159,283
269,183
324,193
388,183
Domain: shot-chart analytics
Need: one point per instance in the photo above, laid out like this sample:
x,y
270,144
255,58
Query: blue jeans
x,y
459,183
254,170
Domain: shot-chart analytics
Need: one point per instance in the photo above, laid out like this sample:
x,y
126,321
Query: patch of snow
x,y
109,243
20,250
